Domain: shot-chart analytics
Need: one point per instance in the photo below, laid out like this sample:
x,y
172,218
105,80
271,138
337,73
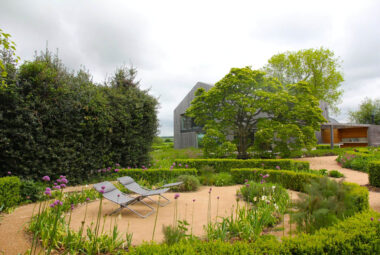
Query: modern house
x,y
188,134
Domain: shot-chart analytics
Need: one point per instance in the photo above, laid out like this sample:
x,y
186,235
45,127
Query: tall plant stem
x,y
155,220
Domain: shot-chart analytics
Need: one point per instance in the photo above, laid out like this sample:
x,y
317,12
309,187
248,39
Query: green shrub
x,y
225,165
374,173
223,179
354,235
190,183
322,152
335,174
9,192
325,146
31,191
359,195
325,203
154,176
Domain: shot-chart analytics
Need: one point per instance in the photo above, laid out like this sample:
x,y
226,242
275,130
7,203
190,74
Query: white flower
x,y
263,197
273,187
86,185
254,199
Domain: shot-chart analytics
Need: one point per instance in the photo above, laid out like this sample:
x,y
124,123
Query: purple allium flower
x,y
128,168
171,168
55,184
99,170
262,165
104,170
210,190
217,197
117,164
64,180
261,181
187,166
102,191
179,164
108,168
72,206
52,205
247,185
9,172
103,187
48,193
174,164
59,180
117,170
193,200
371,218
63,185
246,180
176,196
88,199
62,176
118,195
278,167
46,178
60,202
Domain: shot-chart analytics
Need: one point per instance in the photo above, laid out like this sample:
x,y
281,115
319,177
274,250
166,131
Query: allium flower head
x,y
278,167
102,191
193,200
72,206
9,172
63,185
117,164
246,180
46,178
217,197
210,190
187,166
88,199
103,187
117,170
176,196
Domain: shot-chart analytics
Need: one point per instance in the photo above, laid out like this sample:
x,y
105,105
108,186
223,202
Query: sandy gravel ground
x,y
14,240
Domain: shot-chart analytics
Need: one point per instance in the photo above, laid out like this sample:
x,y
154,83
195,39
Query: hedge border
x,y
9,192
374,173
225,165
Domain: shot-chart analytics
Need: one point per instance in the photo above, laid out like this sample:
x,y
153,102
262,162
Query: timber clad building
x,y
188,134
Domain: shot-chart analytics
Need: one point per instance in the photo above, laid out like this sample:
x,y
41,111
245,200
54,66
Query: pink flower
x,y
103,187
117,170
72,206
247,185
118,195
180,165
210,190
246,180
88,199
55,184
186,166
63,185
278,167
46,178
217,197
102,191
194,201
117,164
9,172
176,196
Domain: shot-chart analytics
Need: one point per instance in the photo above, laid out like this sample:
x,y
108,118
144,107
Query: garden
x,y
65,141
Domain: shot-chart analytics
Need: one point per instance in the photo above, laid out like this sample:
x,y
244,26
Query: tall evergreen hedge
x,y
54,122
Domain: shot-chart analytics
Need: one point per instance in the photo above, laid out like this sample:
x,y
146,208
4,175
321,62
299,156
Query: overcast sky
x,y
174,44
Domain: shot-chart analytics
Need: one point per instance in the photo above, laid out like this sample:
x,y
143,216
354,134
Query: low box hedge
x,y
355,235
225,165
374,173
156,175
9,192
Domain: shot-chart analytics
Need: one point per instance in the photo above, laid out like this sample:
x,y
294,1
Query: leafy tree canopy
x,y
7,52
368,112
246,102
318,67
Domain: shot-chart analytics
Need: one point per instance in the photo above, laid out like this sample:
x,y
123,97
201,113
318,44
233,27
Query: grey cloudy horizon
x,y
174,44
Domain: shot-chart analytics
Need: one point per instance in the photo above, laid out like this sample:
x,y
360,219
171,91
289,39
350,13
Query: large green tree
x,y
245,101
7,50
368,112
318,67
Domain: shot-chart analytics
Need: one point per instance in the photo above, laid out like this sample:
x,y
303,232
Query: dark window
x,y
188,124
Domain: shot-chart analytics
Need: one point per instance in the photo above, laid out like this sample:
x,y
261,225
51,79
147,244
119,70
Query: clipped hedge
x,y
156,175
225,165
326,146
374,173
9,192
355,235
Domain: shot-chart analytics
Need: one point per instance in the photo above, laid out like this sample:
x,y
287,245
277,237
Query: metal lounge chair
x,y
133,186
111,193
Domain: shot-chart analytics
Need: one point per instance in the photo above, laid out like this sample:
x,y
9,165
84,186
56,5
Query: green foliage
x,y
324,203
153,176
225,165
269,193
31,191
7,48
67,124
318,67
288,179
223,179
190,183
358,159
374,173
368,112
246,225
164,158
174,234
335,174
325,146
9,192
355,235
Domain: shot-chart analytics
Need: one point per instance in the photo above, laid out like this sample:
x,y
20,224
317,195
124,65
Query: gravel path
x,y
14,240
